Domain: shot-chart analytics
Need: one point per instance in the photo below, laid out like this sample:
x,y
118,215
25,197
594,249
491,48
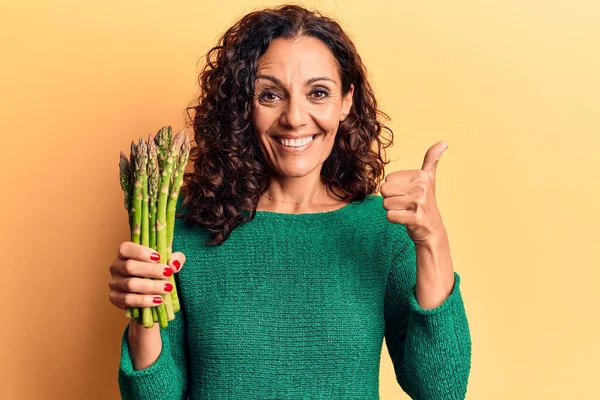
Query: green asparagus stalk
x,y
161,212
125,180
161,309
171,208
142,158
153,181
163,142
145,223
137,197
135,218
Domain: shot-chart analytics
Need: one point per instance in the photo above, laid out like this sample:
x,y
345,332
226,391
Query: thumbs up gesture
x,y
409,198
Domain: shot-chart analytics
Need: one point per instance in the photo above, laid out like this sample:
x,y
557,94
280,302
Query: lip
x,y
292,149
294,137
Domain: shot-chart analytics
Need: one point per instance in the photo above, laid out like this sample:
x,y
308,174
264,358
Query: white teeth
x,y
296,142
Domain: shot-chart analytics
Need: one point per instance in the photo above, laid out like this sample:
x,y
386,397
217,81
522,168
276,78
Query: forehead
x,y
303,57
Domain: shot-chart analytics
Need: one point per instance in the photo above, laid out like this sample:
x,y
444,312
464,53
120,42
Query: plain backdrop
x,y
512,86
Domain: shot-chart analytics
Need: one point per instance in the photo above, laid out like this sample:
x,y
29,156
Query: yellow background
x,y
512,86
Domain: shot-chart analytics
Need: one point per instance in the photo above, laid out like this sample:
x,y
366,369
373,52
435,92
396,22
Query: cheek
x,y
261,119
327,118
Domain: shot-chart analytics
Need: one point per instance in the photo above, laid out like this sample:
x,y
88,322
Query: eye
x,y
321,93
267,96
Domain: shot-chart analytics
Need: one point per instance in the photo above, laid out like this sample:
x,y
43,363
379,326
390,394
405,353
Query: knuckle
x,y
418,218
128,299
114,300
386,203
128,266
382,188
129,284
122,250
389,216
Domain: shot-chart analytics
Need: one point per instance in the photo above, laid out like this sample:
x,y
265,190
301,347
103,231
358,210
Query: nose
x,y
294,115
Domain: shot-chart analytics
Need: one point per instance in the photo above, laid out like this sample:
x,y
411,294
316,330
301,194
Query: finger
x,y
432,157
404,176
138,252
398,203
405,217
123,300
395,188
140,285
177,260
140,269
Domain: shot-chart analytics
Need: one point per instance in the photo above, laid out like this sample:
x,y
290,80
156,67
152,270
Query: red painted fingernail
x,y
168,272
168,287
177,264
155,256
157,300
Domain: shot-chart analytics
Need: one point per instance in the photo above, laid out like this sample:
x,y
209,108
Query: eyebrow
x,y
308,82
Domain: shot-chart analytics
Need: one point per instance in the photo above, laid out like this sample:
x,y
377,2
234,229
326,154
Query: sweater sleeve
x,y
430,349
167,378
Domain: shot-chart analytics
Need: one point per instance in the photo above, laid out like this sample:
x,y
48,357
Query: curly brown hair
x,y
230,173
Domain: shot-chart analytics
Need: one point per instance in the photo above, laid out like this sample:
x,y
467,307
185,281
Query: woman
x,y
296,270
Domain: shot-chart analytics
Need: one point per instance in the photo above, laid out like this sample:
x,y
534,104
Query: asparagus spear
x,y
136,208
175,187
163,142
161,222
171,208
153,180
142,159
136,214
161,213
125,179
154,314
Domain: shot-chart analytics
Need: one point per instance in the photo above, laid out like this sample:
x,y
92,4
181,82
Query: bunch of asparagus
x,y
151,179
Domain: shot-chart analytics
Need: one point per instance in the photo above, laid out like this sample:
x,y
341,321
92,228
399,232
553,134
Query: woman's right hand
x,y
131,285
137,279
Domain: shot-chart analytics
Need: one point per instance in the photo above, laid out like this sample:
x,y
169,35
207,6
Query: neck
x,y
294,195
295,192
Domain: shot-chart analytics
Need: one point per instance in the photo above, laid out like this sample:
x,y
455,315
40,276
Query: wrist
x,y
145,344
434,241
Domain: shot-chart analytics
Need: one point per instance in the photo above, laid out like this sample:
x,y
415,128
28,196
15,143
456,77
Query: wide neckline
x,y
315,215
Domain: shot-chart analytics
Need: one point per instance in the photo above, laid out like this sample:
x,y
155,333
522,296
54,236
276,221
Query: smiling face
x,y
298,94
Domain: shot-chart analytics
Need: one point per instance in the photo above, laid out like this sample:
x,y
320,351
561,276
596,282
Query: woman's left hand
x,y
409,198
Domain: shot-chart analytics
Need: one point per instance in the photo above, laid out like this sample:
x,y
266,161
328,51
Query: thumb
x,y
432,157
176,261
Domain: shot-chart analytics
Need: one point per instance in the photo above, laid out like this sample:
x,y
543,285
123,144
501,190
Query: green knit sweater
x,y
296,306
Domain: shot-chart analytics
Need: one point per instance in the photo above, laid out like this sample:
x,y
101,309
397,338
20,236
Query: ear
x,y
347,103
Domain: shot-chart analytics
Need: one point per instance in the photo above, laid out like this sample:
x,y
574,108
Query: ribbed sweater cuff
x,y
154,382
446,304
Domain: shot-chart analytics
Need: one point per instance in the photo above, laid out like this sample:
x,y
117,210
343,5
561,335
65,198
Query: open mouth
x,y
295,145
